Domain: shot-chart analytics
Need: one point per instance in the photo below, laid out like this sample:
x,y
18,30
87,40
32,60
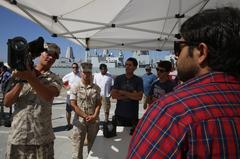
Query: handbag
x,y
109,129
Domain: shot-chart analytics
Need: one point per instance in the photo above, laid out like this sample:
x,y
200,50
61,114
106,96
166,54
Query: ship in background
x,y
106,57
143,58
65,62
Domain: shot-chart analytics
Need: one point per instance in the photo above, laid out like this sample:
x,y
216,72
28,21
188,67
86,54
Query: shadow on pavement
x,y
56,103
57,118
59,128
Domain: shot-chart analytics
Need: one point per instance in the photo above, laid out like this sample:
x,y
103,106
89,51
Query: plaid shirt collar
x,y
211,77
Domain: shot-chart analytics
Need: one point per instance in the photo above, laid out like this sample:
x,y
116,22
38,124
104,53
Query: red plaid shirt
x,y
200,119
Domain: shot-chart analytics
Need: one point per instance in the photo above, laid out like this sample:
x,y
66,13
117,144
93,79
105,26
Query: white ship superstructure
x,y
143,58
65,62
106,57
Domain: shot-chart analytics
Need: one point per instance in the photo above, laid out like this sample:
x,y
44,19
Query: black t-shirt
x,y
159,89
128,108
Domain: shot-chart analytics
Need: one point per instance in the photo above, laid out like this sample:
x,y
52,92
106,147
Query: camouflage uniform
x,y
31,129
87,98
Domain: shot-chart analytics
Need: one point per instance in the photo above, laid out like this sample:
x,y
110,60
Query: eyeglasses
x,y
74,67
179,45
160,70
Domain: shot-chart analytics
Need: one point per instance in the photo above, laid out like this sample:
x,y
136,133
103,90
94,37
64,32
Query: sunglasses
x,y
74,67
179,45
160,70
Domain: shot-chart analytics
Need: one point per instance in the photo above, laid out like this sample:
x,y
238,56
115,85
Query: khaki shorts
x,y
30,151
145,102
106,104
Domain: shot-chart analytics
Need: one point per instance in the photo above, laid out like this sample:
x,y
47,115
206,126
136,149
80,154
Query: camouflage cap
x,y
52,47
86,67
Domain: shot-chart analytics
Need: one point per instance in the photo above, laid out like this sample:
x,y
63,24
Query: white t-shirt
x,y
72,79
105,82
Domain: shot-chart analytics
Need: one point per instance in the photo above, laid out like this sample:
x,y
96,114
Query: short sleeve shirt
x,y
159,89
148,79
128,108
72,79
86,96
105,82
32,117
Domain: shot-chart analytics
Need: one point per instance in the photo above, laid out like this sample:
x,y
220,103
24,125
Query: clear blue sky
x,y
13,25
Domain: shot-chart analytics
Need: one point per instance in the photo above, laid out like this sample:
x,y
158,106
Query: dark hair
x,y
219,29
75,64
167,65
102,65
133,60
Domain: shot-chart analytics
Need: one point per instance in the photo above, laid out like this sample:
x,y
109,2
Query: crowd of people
x,y
198,118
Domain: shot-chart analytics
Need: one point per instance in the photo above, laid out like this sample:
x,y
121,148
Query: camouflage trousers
x,y
106,104
30,151
82,130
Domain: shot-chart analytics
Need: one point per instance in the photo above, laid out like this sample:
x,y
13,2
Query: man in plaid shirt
x,y
201,118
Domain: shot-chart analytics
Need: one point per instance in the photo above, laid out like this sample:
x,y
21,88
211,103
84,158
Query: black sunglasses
x,y
160,70
74,67
179,45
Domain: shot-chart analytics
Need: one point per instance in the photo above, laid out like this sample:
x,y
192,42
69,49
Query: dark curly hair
x,y
219,29
133,60
75,64
102,66
167,65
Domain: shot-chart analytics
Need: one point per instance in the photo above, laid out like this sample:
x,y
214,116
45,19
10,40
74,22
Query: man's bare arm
x,y
76,109
132,95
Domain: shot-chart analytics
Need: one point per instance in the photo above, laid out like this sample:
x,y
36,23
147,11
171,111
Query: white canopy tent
x,y
123,24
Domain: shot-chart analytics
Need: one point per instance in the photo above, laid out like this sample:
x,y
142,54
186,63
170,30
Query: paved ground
x,y
62,143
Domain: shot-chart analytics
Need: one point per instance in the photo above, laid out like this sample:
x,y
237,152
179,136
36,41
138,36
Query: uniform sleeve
x,y
73,92
56,82
98,92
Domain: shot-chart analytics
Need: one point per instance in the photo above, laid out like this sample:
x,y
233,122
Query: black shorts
x,y
68,106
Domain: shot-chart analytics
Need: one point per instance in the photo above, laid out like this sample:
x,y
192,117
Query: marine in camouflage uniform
x,y
86,102
31,135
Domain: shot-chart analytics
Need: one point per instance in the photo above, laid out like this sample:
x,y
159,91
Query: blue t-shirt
x,y
148,79
128,108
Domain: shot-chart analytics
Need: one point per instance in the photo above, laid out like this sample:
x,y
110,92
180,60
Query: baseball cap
x,y
52,47
86,67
